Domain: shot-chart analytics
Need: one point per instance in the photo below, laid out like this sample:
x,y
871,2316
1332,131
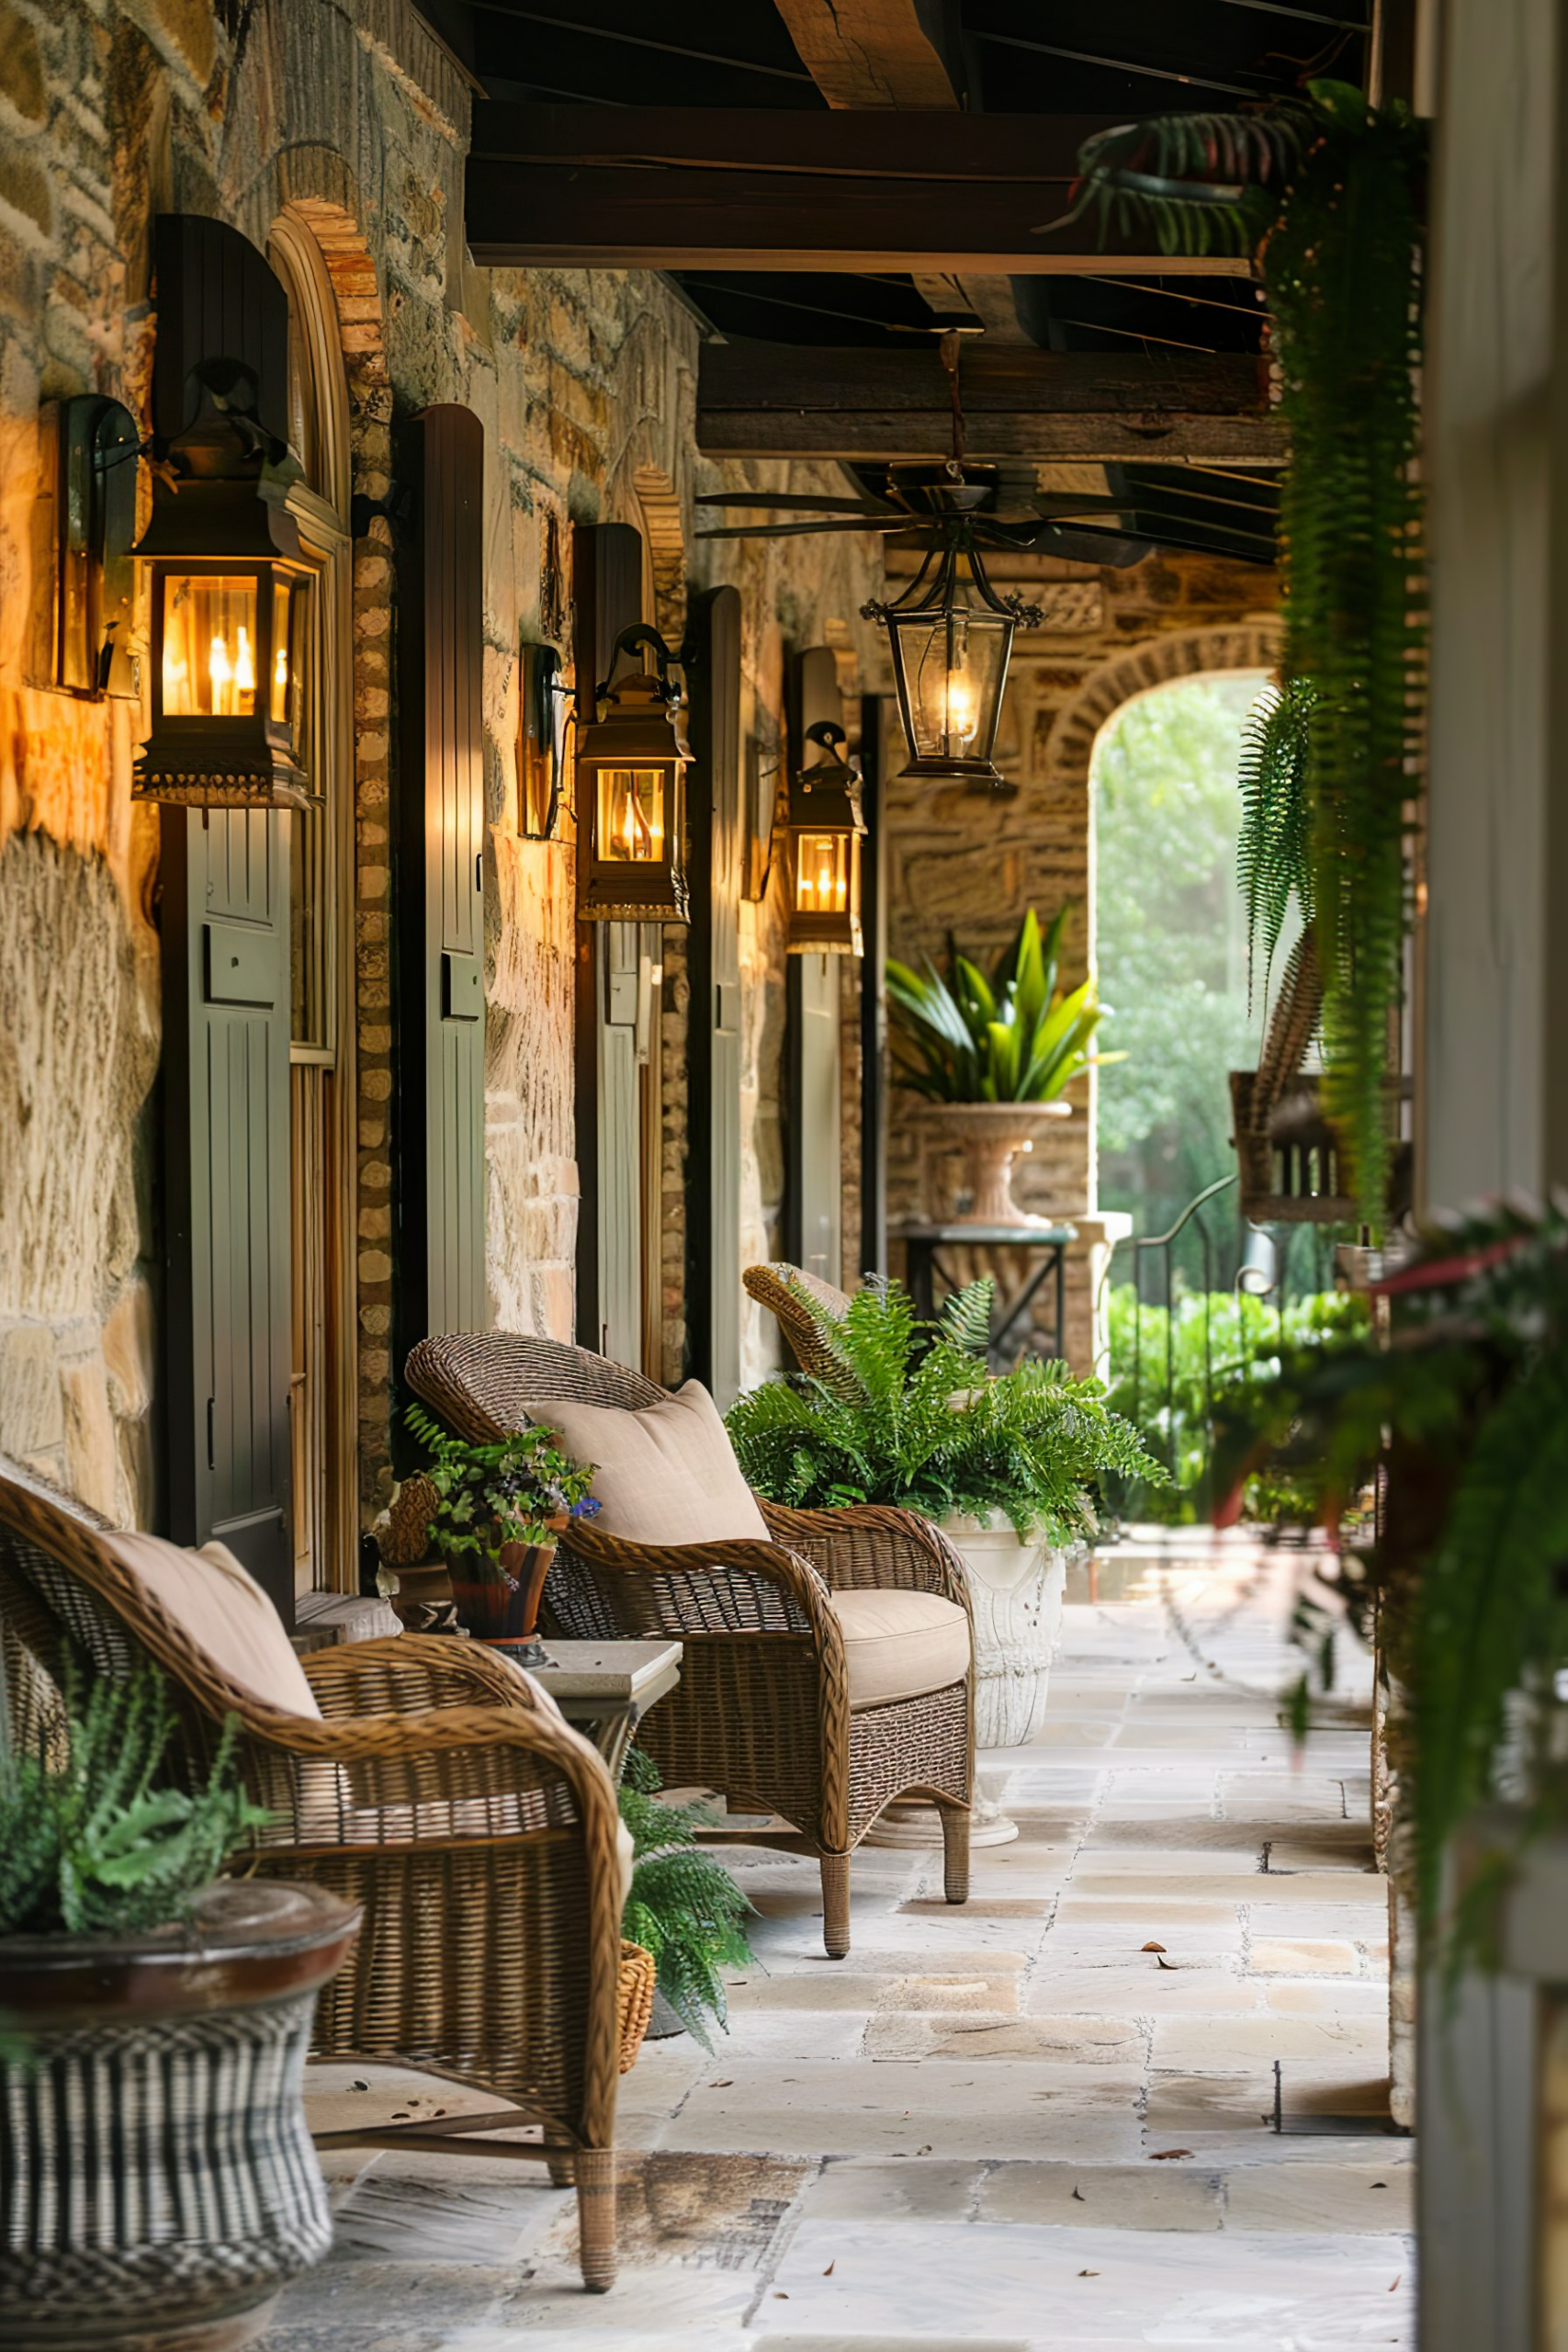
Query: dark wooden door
x,y
225,1115
713,806
440,998
607,598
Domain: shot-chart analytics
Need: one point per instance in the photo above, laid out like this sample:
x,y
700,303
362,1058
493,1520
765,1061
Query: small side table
x,y
924,1242
606,1688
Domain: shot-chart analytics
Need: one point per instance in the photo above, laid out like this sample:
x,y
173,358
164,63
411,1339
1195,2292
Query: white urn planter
x,y
1016,1588
993,1136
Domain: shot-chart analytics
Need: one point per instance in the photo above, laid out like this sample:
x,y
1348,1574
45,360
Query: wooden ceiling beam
x,y
788,401
1039,150
872,53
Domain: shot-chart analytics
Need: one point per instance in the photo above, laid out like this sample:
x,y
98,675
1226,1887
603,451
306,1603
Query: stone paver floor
x,y
1041,2120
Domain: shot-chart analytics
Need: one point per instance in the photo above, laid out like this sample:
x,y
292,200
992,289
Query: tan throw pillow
x,y
664,1475
224,1610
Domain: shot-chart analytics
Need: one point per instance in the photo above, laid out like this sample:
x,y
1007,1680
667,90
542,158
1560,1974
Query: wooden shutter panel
x,y
873,993
813,1188
224,921
226,1186
440,885
713,805
607,597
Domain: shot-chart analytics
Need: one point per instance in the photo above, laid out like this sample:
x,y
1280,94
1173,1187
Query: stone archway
x,y
1157,662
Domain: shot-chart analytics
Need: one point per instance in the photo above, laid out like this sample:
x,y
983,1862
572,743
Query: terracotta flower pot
x,y
993,1134
501,1610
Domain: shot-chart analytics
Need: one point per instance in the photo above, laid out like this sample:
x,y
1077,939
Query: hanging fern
x,y
1273,854
1326,193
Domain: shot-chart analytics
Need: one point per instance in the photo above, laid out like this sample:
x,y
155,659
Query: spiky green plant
x,y
1010,1038
1273,851
913,1420
684,1907
97,1835
1326,193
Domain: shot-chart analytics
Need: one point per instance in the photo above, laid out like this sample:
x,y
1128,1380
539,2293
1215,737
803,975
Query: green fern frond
x,y
1273,856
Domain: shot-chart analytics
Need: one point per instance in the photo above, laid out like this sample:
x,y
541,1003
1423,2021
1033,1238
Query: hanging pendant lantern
x,y
825,827
951,636
631,764
231,623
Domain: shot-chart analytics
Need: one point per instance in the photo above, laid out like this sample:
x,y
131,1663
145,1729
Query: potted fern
x,y
994,1055
683,1906
159,2184
1006,1467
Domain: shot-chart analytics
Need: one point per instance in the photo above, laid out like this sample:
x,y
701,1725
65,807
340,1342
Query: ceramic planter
x,y
157,2181
502,1611
1015,1591
993,1134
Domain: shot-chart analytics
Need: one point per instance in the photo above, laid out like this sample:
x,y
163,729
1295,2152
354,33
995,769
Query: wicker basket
x,y
638,1970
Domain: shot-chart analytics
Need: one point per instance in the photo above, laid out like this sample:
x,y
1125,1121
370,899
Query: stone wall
x,y
970,863
349,115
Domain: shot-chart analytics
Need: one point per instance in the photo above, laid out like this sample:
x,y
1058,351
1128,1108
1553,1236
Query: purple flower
x,y
586,1507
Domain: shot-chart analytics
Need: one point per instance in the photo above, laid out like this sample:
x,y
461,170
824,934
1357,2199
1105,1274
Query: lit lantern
x,y
952,639
230,630
825,829
631,765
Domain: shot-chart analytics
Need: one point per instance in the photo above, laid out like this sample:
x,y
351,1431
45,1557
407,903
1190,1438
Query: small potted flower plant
x,y
494,1513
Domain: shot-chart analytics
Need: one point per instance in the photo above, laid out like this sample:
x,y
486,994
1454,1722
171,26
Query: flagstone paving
x,y
1043,2119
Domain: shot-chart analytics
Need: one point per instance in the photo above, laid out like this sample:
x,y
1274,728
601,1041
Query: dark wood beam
x,y
634,187
764,400
868,52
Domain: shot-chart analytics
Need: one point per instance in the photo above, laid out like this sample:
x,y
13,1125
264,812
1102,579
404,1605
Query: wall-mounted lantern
x,y
231,615
96,447
952,638
631,764
825,829
541,742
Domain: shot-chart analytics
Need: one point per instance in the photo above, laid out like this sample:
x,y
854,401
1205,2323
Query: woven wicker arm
x,y
786,1291
398,1674
872,1545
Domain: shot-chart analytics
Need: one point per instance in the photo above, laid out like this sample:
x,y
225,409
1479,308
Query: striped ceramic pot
x,y
158,2186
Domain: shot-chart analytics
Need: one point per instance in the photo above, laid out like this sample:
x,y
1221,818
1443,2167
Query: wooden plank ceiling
x,y
762,153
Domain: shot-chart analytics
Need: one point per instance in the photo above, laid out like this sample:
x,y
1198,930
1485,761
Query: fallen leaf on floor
x,y
1082,2198
727,2083
400,2115
1161,1962
359,2086
1089,2274
1396,2282
832,2268
779,2295
925,2151
1380,2184
1164,2156
1151,1947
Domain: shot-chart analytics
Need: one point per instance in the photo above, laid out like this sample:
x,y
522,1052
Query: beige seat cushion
x,y
898,1644
224,1610
666,1474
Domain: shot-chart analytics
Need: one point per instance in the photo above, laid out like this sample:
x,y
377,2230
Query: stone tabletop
x,y
618,1673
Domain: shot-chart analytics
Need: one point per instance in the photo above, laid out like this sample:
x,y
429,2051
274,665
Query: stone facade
x,y
969,862
346,115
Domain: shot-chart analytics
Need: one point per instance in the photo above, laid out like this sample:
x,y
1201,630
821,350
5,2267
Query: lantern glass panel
x,y
822,873
955,663
631,815
210,644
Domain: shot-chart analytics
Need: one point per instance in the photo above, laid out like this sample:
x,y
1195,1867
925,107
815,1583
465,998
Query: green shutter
x,y
713,812
439,1263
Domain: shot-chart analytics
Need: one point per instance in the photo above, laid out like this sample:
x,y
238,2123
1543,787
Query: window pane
x,y
209,644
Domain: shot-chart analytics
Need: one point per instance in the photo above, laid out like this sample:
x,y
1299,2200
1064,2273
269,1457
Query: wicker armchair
x,y
761,1713
782,1288
476,1829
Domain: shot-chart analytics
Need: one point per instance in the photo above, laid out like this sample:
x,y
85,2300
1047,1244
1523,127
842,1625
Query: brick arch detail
x,y
316,188
1157,662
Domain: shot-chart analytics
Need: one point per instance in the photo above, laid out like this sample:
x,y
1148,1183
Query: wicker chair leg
x,y
561,2164
956,1852
836,1905
596,2217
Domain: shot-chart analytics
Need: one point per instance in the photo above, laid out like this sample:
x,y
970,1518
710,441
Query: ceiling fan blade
x,y
785,499
800,530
